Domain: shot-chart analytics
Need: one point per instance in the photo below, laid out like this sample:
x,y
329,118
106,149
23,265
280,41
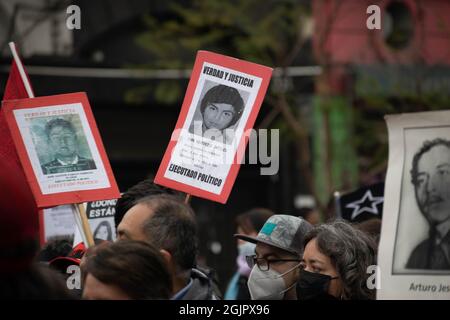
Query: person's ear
x,y
167,256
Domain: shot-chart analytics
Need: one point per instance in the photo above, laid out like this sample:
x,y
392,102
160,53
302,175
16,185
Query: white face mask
x,y
268,285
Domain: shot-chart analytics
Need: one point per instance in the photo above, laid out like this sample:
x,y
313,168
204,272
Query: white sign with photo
x,y
414,251
213,127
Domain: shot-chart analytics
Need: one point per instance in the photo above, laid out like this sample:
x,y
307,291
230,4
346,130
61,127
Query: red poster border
x,y
51,200
250,68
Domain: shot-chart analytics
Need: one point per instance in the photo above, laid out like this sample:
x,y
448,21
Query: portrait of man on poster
x,y
221,108
430,175
63,141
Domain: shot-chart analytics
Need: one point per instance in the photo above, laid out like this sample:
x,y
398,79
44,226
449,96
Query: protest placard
x,y
56,223
222,101
101,219
414,251
59,222
60,149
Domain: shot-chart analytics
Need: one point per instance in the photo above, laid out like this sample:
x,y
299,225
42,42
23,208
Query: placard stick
x,y
187,199
79,227
19,65
85,224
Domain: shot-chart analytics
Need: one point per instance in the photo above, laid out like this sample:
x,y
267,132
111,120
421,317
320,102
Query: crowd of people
x,y
280,256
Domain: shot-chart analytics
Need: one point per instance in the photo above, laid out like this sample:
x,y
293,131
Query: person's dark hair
x,y
108,227
351,251
172,227
253,220
136,267
58,247
35,283
224,94
140,190
58,122
427,145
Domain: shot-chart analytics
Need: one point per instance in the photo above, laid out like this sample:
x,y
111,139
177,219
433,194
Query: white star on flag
x,y
359,208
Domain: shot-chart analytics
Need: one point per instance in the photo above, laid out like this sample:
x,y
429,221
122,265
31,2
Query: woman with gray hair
x,y
335,263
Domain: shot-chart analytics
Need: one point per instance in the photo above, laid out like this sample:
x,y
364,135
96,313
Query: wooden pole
x,y
85,223
187,199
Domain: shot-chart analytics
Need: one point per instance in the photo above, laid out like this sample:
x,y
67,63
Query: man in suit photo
x,y
63,141
431,179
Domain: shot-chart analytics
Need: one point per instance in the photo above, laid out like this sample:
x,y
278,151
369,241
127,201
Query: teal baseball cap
x,y
282,231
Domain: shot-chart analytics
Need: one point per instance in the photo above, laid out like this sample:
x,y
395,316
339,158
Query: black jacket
x,y
202,287
56,167
429,256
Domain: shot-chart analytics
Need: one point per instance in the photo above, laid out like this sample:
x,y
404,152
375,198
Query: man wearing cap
x,y
279,249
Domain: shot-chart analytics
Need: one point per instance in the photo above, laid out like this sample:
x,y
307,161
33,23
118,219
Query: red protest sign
x,y
60,149
221,104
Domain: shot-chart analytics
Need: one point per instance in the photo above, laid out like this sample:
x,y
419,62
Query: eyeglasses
x,y
263,263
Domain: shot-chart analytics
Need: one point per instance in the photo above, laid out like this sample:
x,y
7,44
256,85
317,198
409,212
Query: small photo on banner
x,y
362,204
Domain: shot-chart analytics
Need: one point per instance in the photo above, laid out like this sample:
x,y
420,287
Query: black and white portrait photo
x,y
103,231
218,112
62,148
430,175
422,238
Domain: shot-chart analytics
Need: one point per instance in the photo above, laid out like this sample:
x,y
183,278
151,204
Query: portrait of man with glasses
x,y
63,141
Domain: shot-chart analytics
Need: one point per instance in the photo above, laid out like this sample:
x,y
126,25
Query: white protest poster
x,y
60,149
222,101
414,250
57,222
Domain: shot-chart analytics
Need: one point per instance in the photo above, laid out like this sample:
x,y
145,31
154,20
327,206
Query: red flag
x,y
18,210
15,89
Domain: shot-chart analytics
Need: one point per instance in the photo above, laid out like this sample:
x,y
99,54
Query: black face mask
x,y
314,286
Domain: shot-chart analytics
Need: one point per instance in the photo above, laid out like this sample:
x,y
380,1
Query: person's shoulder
x,y
417,259
53,163
422,247
202,287
86,160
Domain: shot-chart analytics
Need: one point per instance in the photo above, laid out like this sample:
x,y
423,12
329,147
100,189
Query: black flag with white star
x,y
363,204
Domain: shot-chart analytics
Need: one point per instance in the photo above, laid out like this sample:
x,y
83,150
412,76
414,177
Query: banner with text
x,y
222,101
